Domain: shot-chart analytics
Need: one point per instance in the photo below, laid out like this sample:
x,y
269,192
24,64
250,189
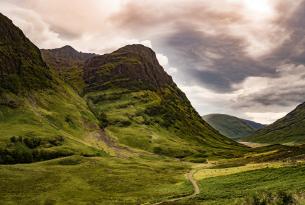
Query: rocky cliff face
x,y
65,57
21,64
133,67
68,63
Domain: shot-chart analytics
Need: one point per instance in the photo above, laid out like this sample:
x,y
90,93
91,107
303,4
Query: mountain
x,y
41,117
128,103
289,129
138,104
231,126
68,63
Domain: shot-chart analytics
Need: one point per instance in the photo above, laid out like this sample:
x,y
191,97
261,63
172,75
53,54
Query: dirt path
x,y
190,177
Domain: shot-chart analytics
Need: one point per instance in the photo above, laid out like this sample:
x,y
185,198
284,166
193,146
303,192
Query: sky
x,y
239,57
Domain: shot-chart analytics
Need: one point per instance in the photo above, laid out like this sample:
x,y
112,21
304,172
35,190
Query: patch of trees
x,y
31,148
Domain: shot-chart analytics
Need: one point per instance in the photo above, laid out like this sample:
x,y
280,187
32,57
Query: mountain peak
x,y
136,48
136,64
65,55
68,48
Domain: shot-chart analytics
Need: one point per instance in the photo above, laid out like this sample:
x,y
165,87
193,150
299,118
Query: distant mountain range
x,y
231,126
290,129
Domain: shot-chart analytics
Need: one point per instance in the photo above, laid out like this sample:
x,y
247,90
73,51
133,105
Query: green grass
x,y
79,180
159,122
232,189
49,114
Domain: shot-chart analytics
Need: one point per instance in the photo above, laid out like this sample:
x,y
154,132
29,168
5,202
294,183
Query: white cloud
x,y
163,60
266,117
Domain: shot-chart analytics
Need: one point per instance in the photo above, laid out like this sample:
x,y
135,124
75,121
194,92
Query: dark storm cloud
x,y
293,49
217,62
275,97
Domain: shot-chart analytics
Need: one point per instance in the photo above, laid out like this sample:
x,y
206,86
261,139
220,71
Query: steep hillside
x,y
21,65
290,129
68,63
40,116
231,126
139,105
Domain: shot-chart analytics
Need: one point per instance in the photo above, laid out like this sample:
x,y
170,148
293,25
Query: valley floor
x,y
151,180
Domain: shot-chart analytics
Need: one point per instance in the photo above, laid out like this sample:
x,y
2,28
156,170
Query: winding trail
x,y
190,177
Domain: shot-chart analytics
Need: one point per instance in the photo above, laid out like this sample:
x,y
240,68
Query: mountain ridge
x,y
231,126
287,130
68,63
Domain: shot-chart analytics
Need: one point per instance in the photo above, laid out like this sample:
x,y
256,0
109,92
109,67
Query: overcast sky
x,y
239,57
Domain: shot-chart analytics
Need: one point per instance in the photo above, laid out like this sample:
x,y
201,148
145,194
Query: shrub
x,y
56,141
32,142
68,119
22,154
123,123
198,160
103,120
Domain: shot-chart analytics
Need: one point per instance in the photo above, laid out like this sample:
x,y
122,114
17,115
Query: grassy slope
x,y
159,120
246,184
288,130
38,111
79,180
49,114
230,126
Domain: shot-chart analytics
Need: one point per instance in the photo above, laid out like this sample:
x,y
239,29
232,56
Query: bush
x,y
198,160
68,119
123,123
32,142
180,154
56,141
103,120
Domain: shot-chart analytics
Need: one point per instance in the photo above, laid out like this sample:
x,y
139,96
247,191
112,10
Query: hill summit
x,y
133,66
